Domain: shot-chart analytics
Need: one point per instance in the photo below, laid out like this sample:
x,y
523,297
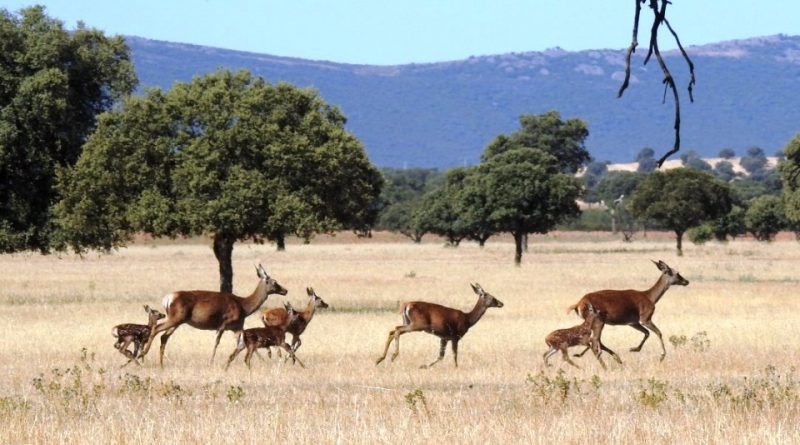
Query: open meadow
x,y
729,375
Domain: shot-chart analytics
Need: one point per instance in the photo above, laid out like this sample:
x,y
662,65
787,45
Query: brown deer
x,y
136,333
254,338
586,334
446,323
632,307
278,316
209,310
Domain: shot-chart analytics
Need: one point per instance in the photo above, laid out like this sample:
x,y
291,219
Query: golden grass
x,y
733,384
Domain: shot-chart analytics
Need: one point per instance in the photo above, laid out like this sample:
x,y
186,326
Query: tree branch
x,y
631,49
659,17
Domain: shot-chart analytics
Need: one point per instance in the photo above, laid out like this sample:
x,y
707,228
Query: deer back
x,y
131,330
434,318
204,309
620,306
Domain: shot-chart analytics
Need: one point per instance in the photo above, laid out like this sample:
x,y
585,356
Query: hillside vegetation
x,y
444,114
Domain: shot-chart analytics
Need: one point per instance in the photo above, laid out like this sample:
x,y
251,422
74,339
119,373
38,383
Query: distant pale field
x,y
733,380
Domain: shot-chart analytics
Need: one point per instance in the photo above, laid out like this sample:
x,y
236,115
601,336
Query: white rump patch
x,y
167,301
240,341
114,332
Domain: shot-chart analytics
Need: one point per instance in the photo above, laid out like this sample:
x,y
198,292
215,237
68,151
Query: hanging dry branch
x,y
659,18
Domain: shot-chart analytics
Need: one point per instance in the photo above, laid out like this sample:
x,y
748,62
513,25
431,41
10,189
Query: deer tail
x,y
574,307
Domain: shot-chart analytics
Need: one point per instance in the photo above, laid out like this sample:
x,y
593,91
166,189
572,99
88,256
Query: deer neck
x,y
308,313
476,313
657,291
252,302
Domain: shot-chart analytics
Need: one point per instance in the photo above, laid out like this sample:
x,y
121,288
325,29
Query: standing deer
x,y
446,323
278,316
209,310
632,307
586,334
254,338
136,333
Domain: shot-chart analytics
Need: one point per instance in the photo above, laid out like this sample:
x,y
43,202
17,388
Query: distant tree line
x,y
85,165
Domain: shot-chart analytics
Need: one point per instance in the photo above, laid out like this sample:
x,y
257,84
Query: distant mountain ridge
x,y
443,114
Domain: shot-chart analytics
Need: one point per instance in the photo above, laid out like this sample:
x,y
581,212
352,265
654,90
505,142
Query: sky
x,y
380,32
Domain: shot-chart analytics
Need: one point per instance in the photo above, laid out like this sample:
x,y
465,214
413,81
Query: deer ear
x,y
589,307
146,308
659,264
310,291
475,288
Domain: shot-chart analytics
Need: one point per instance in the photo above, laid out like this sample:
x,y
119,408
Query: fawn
x,y
254,338
586,334
136,333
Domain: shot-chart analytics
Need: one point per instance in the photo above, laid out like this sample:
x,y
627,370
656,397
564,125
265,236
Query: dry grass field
x,y
729,375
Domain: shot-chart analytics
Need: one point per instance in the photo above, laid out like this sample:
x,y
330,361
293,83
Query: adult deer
x,y
586,334
446,323
632,307
136,333
278,316
209,310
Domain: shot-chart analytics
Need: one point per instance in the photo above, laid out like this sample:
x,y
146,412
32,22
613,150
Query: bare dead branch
x,y
659,17
685,57
668,80
631,49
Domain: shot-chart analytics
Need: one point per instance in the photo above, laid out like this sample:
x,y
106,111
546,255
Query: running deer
x,y
446,323
586,334
209,310
632,307
136,333
278,316
254,338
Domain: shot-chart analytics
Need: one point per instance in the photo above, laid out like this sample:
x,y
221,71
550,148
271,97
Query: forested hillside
x,y
444,114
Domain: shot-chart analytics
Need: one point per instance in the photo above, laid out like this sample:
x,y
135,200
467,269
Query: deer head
x,y
272,286
673,276
315,299
488,299
153,315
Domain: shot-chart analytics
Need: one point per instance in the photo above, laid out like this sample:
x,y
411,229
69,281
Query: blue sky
x,y
396,32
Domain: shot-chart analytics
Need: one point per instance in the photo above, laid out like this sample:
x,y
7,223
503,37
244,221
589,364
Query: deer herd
x,y
220,312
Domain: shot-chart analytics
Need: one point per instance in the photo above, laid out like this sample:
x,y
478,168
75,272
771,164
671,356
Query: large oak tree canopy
x,y
228,155
52,85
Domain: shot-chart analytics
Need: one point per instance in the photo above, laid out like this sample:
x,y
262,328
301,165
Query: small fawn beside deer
x,y
254,338
136,333
278,316
585,334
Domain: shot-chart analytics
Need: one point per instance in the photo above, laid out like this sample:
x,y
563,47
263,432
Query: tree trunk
x,y
525,242
518,243
223,250
280,242
680,243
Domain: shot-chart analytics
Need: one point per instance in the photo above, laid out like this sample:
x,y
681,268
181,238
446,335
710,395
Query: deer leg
x,y
549,354
236,352
220,331
603,347
164,339
596,349
290,353
295,344
386,349
580,354
644,331
442,347
249,355
567,359
455,352
650,325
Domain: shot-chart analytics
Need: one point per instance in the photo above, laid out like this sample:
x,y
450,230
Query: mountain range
x,y
443,114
